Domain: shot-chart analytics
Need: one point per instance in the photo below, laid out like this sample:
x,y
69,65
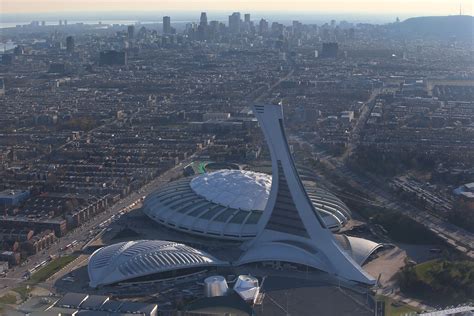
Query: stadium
x,y
144,260
280,219
227,204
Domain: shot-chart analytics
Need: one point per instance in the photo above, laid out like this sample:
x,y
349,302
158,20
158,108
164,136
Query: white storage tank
x,y
215,285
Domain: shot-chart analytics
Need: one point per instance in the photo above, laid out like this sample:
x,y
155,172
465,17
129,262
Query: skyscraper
x,y
263,26
70,44
234,23
166,25
247,18
203,19
131,31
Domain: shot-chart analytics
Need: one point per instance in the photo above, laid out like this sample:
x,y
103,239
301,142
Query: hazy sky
x,y
415,7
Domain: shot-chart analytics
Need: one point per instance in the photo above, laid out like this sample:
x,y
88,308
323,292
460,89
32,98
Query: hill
x,y
460,27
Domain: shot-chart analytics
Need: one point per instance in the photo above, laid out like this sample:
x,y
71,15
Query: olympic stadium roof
x,y
245,190
228,204
129,260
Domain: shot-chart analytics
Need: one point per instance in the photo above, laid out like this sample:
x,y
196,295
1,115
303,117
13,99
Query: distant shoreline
x,y
9,20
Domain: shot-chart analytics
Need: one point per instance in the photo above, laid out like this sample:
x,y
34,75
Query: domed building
x,y
146,260
279,219
227,204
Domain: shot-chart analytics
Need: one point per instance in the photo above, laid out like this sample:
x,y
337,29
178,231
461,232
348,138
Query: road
x,y
82,235
359,126
378,189
91,229
273,86
455,236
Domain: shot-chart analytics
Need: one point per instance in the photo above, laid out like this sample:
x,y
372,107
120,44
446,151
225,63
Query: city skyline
x,y
436,7
236,158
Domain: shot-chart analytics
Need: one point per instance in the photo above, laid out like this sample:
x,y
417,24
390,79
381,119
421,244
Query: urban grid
x,y
237,167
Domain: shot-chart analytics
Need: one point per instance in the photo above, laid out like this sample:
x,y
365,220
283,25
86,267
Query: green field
x,y
442,281
23,290
51,268
7,299
394,309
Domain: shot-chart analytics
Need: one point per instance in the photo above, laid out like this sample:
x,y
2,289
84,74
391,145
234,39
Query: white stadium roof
x,y
129,260
238,189
228,204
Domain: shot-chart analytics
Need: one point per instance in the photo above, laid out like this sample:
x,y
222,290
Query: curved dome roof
x,y
359,249
238,189
200,205
128,260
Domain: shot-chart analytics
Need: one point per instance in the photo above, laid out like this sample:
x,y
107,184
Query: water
x,y
56,23
9,20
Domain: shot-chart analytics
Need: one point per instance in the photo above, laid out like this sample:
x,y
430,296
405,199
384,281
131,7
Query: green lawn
x,y
8,299
23,290
457,270
401,311
445,282
423,269
51,268
393,309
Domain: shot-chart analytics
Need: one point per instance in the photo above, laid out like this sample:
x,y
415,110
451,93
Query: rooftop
x,y
238,189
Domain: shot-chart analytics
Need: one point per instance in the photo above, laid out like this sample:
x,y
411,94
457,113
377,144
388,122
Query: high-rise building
x,y
203,30
247,18
247,23
203,19
263,26
131,31
60,22
65,22
166,25
214,26
297,26
70,44
234,23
